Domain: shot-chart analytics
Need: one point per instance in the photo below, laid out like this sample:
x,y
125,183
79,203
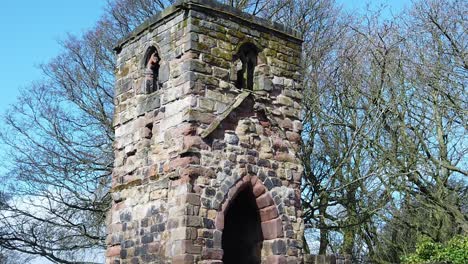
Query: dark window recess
x,y
152,60
245,73
242,235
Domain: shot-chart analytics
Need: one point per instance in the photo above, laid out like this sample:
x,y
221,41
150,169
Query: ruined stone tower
x,y
206,134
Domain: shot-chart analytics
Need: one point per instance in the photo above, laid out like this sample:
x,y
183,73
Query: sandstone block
x,y
272,229
264,200
113,251
276,260
268,213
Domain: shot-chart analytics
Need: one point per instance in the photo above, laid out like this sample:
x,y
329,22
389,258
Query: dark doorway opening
x,y
242,234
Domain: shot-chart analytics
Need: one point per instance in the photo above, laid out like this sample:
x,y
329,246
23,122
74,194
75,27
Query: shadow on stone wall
x,y
330,259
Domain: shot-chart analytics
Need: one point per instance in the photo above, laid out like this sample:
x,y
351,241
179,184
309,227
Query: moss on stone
x,y
236,34
215,61
227,46
270,53
221,54
218,35
195,21
202,46
123,72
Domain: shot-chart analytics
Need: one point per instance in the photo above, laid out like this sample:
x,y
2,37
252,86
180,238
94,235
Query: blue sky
x,y
360,5
29,35
30,31
392,6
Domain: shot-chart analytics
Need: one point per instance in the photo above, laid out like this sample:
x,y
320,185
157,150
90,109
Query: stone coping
x,y
208,5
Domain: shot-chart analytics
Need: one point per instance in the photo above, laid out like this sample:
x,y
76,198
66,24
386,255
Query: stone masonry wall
x,y
185,151
327,259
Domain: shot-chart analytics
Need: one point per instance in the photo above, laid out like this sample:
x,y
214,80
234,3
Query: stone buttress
x,y
207,130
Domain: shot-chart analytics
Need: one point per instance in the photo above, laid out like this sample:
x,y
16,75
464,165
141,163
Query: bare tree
x,y
385,125
384,131
342,183
59,136
428,147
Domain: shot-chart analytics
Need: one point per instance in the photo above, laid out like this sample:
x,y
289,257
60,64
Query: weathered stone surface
x,y
264,200
330,259
113,251
276,260
269,213
185,151
272,229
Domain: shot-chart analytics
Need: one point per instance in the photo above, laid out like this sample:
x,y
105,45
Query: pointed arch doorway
x,y
242,235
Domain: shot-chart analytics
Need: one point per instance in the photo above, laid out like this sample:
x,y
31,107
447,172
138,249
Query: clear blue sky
x,y
29,34
393,7
30,29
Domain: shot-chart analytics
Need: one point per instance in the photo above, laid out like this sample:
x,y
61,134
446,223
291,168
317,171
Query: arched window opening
x,y
152,62
242,235
245,71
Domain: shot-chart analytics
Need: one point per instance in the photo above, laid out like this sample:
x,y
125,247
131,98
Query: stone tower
x,y
207,127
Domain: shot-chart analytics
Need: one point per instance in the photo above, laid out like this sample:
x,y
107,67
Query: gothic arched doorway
x,y
242,235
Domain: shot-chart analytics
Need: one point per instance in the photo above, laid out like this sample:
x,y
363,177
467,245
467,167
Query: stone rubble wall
x,y
327,259
183,152
148,134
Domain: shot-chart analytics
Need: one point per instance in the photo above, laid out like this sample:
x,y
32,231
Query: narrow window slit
x,y
245,71
152,64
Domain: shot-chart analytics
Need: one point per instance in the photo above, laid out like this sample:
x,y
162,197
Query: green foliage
x,y
454,251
